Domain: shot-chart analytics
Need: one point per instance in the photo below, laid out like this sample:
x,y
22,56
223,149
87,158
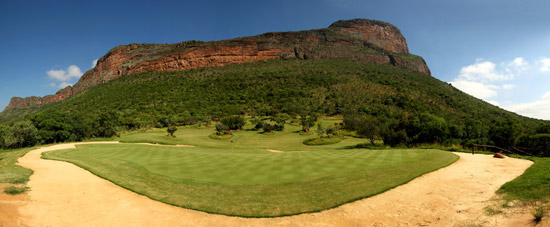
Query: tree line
x,y
426,128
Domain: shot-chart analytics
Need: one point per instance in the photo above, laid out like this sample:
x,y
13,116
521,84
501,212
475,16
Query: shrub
x,y
234,122
220,128
15,190
538,214
171,129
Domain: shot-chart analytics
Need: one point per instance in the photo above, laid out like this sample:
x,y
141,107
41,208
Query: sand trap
x,y
63,194
276,151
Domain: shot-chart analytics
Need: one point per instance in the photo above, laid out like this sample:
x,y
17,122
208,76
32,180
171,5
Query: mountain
x,y
359,69
359,39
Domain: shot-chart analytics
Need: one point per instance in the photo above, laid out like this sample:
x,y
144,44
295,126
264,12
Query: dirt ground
x,y
63,194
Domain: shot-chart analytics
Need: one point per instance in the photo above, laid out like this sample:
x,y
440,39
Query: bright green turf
x,y
243,178
532,185
10,172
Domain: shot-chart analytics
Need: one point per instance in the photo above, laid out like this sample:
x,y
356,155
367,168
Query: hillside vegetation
x,y
401,102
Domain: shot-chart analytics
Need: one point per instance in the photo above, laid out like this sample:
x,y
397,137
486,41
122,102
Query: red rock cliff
x,y
358,39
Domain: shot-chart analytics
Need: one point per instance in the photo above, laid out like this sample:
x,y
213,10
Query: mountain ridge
x,y
357,39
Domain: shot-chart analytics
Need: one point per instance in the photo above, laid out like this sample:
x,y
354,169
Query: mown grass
x,y
10,172
533,185
220,137
243,178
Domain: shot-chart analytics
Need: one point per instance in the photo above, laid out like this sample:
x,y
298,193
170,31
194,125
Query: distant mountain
x,y
359,69
359,39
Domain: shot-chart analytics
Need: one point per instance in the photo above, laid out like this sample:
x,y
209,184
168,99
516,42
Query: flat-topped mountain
x,y
359,39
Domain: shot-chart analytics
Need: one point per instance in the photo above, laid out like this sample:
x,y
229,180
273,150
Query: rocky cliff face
x,y
358,39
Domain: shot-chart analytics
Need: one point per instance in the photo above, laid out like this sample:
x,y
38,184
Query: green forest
x,y
399,106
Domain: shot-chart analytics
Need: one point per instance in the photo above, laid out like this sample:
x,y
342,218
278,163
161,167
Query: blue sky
x,y
496,50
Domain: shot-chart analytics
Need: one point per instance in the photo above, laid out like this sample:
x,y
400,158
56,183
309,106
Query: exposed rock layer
x,y
358,39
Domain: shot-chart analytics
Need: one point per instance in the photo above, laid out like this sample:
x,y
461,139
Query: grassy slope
x,y
252,181
323,86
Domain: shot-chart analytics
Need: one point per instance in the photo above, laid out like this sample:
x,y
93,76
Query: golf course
x,y
253,174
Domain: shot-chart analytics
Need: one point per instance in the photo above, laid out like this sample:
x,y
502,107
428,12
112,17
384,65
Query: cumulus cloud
x,y
65,75
94,63
484,79
544,64
518,65
539,109
64,85
483,72
476,89
508,86
494,103
519,62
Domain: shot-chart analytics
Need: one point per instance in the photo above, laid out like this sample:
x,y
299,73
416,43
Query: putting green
x,y
249,180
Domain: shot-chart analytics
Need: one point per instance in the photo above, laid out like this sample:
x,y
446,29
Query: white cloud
x,y
538,109
508,86
495,103
94,63
519,62
2,107
64,84
476,89
65,75
544,64
483,72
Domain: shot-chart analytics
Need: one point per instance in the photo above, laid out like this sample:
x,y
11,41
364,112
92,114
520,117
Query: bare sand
x,y
63,194
275,151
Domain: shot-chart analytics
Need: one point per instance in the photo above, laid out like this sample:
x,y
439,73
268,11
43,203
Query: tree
x,y
433,129
280,118
504,133
234,122
171,129
268,127
24,133
221,128
307,123
368,127
320,130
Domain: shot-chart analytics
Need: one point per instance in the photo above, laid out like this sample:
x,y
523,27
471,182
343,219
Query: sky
x,y
495,50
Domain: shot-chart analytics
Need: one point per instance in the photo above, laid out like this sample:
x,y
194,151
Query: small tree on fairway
x,y
220,128
369,128
306,123
171,129
320,130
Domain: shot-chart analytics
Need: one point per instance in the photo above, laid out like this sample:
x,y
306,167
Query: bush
x,y
234,122
220,128
171,129
15,190
538,214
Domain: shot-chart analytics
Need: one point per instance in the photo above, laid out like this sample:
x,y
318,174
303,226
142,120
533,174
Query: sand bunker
x,y
63,194
276,151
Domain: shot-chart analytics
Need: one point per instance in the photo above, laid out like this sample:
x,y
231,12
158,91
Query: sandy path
x,y
65,195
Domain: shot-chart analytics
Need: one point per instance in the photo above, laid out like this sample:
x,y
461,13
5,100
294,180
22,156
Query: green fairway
x,y
243,178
